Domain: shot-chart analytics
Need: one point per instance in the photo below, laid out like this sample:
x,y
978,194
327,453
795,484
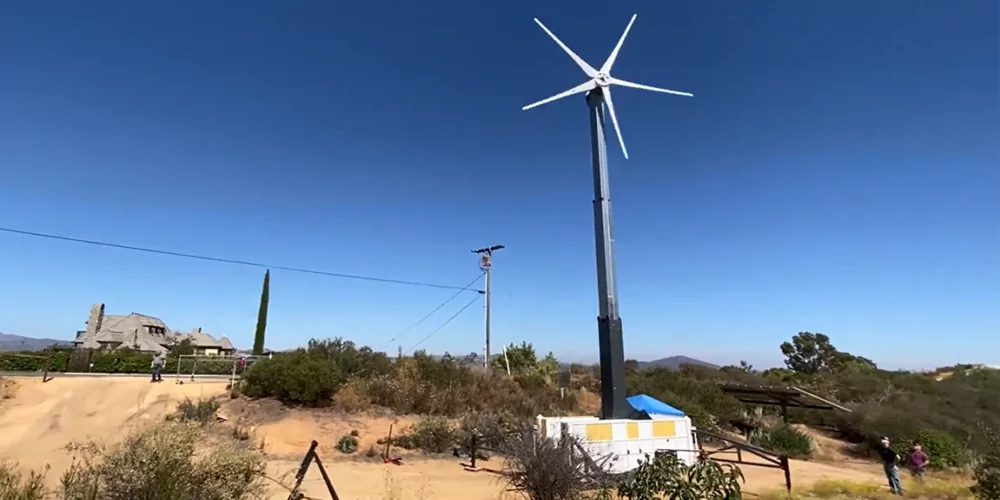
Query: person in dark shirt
x,y
889,459
917,462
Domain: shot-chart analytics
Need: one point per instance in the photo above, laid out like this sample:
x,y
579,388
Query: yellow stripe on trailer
x,y
632,430
597,433
664,428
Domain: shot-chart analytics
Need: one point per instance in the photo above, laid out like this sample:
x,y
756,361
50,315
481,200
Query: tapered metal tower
x,y
609,324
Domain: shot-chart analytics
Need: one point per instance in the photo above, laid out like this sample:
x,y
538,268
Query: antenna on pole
x,y
609,324
486,265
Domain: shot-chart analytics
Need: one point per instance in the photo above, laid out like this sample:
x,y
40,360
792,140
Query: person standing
x,y
157,366
889,460
917,462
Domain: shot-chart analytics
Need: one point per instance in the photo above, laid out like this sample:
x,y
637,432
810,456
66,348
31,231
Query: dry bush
x,y
162,463
430,434
491,428
987,470
14,485
353,396
543,469
445,386
201,411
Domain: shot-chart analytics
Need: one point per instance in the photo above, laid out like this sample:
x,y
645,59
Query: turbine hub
x,y
602,79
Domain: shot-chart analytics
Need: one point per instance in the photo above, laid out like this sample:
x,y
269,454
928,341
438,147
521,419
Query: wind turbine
x,y
609,324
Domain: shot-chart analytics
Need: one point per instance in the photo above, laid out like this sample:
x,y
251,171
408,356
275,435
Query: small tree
x,y
258,339
809,353
184,347
521,357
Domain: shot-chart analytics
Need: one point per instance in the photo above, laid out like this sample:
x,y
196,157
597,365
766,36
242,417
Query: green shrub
x,y
941,448
785,440
347,444
18,362
667,477
104,361
430,434
296,378
121,361
15,486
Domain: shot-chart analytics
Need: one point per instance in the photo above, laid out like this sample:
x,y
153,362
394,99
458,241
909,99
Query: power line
x,y
436,309
233,261
438,329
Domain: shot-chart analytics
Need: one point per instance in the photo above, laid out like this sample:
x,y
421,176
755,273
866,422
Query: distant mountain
x,y
675,363
18,343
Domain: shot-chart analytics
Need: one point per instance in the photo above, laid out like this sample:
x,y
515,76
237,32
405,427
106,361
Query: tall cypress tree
x,y
258,339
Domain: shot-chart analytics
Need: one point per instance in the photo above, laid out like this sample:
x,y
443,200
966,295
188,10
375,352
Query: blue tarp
x,y
653,406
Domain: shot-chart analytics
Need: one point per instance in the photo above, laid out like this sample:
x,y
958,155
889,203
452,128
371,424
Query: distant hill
x,y
675,363
18,343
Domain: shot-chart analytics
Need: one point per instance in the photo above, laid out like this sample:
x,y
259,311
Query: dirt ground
x,y
38,419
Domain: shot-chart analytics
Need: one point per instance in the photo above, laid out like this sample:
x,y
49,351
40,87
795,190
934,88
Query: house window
x,y
155,330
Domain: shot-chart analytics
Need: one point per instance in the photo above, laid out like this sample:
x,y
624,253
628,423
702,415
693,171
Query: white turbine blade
x,y
583,87
606,68
588,69
626,83
614,119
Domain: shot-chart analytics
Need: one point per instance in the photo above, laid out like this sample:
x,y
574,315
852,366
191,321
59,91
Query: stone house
x,y
143,333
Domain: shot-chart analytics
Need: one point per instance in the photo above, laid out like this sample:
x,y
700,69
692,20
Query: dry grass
x,y
948,487
15,485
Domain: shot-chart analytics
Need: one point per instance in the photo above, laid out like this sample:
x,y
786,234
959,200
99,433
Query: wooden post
x,y
388,444
474,450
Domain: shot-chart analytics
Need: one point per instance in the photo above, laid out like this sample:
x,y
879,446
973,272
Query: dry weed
x,y
14,485
949,488
353,396
162,463
391,488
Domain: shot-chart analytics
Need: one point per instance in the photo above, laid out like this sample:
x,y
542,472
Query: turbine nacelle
x,y
600,79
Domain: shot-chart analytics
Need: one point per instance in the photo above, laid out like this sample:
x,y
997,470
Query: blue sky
x,y
837,171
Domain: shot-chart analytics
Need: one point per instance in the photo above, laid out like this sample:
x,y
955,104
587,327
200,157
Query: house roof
x,y
201,339
130,331
130,321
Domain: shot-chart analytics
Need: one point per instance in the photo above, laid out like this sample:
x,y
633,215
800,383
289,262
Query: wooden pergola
x,y
783,396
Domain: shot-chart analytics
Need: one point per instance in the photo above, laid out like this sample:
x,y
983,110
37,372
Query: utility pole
x,y
486,264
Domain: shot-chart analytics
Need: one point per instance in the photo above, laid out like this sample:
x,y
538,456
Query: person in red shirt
x,y
917,462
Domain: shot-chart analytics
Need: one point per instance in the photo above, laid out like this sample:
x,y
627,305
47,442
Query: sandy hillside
x,y
41,418
37,420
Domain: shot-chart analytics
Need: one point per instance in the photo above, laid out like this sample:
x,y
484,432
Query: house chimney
x,y
196,330
95,319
